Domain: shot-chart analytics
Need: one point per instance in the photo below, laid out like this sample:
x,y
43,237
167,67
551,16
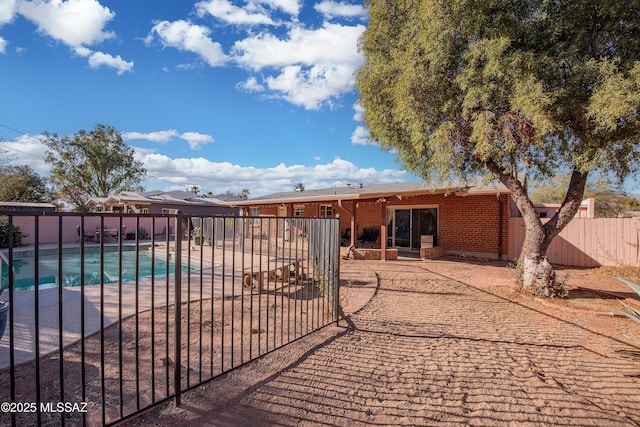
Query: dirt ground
x,y
442,342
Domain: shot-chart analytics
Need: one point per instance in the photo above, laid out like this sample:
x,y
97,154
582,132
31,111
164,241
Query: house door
x,y
405,226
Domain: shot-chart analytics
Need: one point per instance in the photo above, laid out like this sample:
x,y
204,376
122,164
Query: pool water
x,y
23,263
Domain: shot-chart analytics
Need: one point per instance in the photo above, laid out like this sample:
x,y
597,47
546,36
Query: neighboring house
x,y
469,220
155,202
587,209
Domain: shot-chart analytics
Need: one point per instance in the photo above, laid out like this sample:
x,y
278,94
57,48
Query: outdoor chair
x,y
163,234
369,237
88,235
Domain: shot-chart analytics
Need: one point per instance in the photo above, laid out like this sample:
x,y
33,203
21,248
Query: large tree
x,y
91,164
22,184
520,88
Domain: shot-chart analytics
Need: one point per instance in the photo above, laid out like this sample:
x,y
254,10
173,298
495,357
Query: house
x,y
587,209
154,202
429,219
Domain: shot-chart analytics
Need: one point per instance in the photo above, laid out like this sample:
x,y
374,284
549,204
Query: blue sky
x,y
221,94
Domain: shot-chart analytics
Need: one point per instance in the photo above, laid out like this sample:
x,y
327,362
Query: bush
x,y
4,234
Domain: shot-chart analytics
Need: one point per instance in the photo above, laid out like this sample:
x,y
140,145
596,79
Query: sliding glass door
x,y
406,226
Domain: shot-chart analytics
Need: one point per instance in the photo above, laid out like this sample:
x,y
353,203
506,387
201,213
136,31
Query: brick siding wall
x,y
465,224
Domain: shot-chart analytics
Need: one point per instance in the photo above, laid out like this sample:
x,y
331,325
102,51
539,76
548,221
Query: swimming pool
x,y
24,266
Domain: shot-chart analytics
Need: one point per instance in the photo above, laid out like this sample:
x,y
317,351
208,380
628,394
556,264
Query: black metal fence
x,y
120,312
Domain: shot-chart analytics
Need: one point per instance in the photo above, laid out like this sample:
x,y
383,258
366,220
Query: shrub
x,y
4,234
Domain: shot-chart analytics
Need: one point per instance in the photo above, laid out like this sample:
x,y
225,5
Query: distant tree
x,y
299,187
91,164
244,194
515,89
22,184
194,189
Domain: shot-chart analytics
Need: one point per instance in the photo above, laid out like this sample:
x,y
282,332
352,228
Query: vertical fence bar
x,y
137,308
120,358
223,297
60,324
201,317
233,291
178,309
213,294
12,334
36,315
242,266
167,263
250,231
102,364
153,309
188,308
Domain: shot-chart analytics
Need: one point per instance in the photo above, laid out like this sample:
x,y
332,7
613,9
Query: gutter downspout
x,y
352,242
500,226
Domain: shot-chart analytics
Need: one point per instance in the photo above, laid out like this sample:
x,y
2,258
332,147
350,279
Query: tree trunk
x,y
534,270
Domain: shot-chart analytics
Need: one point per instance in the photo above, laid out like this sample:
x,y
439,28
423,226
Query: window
x,y
326,211
298,211
145,210
254,211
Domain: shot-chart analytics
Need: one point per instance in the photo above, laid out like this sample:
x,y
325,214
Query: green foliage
x,y
143,234
92,164
4,234
459,86
22,184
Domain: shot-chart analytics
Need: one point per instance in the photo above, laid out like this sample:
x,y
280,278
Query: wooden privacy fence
x,y
587,242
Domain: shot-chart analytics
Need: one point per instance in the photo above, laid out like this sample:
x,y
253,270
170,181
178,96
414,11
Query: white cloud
x,y
196,140
189,37
250,85
7,11
360,136
312,66
3,45
331,9
311,87
98,59
225,176
292,7
161,137
27,150
217,176
75,22
227,12
331,44
359,112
